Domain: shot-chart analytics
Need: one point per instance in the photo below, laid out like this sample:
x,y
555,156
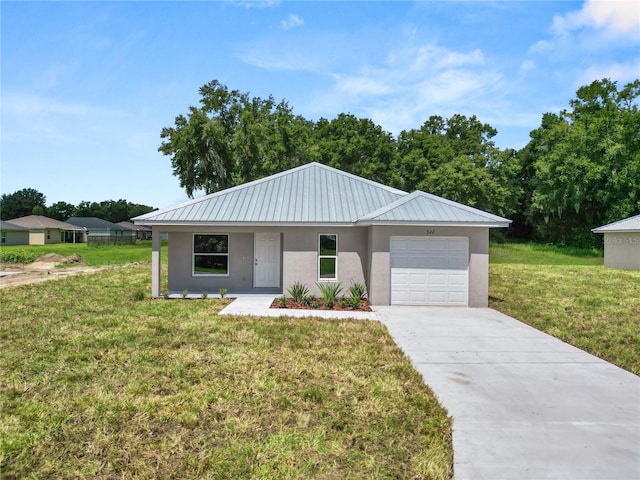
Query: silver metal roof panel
x,y
631,224
312,193
423,208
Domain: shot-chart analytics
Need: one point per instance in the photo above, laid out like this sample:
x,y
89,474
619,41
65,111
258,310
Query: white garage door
x,y
429,270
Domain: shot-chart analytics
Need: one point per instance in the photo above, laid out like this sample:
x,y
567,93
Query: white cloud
x,y
254,3
28,105
527,65
410,85
622,72
612,18
292,21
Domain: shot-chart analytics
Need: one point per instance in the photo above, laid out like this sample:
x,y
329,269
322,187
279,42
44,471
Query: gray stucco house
x,y
317,224
622,243
98,230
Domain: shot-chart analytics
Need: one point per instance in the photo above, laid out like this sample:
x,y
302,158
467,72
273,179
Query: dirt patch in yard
x,y
47,267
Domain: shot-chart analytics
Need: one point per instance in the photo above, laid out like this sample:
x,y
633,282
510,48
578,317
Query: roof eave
x,y
170,223
366,223
600,230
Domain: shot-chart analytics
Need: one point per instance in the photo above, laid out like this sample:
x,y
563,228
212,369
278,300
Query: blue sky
x,y
87,86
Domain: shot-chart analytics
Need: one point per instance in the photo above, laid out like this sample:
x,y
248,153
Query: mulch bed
x,y
365,306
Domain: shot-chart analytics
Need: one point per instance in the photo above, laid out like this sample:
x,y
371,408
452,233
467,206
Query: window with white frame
x,y
211,254
327,256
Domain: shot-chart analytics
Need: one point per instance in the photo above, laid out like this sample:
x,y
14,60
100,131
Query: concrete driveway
x,y
524,404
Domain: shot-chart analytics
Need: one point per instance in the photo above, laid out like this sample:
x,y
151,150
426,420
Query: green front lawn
x,y
571,296
96,384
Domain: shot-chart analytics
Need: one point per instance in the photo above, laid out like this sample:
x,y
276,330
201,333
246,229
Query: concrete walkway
x,y
524,404
259,305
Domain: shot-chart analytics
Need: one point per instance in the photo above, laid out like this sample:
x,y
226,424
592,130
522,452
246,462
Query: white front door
x,y
266,262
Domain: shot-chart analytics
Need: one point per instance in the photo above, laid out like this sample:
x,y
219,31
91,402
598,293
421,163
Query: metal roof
x,y
37,222
315,194
631,224
310,194
133,226
95,222
11,226
425,209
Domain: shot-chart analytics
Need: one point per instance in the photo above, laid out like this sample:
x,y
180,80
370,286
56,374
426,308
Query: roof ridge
x,y
275,176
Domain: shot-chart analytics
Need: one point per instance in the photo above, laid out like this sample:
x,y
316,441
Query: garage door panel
x,y
457,298
457,263
437,279
457,245
418,297
457,280
429,270
418,279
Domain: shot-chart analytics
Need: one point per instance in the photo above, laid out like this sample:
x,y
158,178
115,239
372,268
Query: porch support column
x,y
155,263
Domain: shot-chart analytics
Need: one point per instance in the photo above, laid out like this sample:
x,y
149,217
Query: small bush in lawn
x,y
185,293
139,295
282,302
223,292
165,295
298,292
330,292
204,295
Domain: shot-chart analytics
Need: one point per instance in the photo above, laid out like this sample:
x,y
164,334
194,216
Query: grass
x,y
543,254
571,296
93,255
95,382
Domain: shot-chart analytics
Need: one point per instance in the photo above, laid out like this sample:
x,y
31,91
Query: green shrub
x,y
355,302
223,292
282,302
330,292
20,255
204,295
358,290
185,293
298,292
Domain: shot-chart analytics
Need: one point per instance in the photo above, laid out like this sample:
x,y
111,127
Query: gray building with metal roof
x,y
98,230
316,224
622,243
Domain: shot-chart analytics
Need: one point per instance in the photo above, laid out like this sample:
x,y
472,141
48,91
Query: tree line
x,y
29,201
580,169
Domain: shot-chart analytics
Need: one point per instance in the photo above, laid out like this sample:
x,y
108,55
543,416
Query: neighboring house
x,y
97,230
622,243
318,224
45,230
142,232
11,234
